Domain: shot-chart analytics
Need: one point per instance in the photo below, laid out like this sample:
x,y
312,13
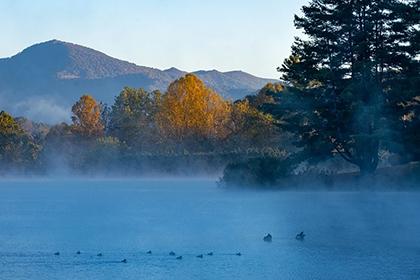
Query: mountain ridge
x,y
56,73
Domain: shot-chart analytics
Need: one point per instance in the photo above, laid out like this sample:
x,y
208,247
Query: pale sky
x,y
253,36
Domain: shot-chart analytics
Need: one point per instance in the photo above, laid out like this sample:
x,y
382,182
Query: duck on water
x,y
300,236
268,238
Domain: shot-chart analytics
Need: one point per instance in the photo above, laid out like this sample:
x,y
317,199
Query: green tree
x,y
405,95
341,74
17,149
250,128
132,119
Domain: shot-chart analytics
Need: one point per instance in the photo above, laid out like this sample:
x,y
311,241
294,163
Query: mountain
x,y
43,80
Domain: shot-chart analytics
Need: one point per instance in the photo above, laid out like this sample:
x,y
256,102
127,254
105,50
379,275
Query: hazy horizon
x,y
183,34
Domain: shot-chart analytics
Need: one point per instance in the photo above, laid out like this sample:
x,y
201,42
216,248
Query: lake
x,y
349,235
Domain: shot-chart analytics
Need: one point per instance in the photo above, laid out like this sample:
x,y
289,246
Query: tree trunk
x,y
367,156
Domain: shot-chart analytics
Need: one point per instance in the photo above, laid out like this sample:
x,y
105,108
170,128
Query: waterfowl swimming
x,y
239,254
300,236
99,255
124,261
149,252
268,238
78,252
179,258
172,253
200,256
57,253
210,254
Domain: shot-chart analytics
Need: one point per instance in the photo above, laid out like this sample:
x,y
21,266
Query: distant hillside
x,y
42,81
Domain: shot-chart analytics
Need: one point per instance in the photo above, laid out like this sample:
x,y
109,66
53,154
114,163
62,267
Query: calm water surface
x,y
360,235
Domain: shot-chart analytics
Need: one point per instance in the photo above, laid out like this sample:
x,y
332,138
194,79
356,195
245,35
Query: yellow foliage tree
x,y
190,109
87,117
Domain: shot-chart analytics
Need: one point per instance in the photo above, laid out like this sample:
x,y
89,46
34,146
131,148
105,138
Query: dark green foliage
x,y
132,118
343,77
17,149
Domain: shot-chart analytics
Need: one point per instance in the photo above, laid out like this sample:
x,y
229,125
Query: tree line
x,y
141,129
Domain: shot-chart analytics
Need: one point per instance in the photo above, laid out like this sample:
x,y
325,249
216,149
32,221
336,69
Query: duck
x,y
200,256
78,252
268,238
57,253
99,255
172,253
179,258
149,252
210,254
124,261
300,236
238,254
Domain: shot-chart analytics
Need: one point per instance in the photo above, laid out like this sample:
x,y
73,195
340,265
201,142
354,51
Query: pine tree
x,y
341,75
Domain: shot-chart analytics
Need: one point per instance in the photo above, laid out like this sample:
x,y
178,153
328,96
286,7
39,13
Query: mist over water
x,y
350,235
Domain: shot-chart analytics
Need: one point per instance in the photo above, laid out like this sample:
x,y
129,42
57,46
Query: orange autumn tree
x,y
87,117
190,110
